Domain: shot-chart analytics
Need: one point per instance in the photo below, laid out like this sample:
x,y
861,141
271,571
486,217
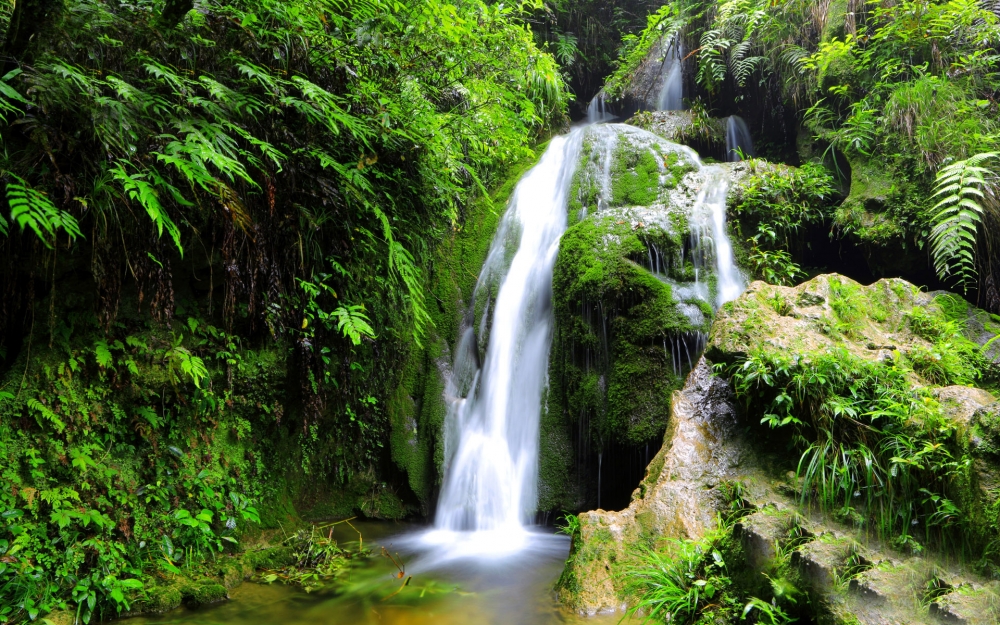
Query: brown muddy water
x,y
448,586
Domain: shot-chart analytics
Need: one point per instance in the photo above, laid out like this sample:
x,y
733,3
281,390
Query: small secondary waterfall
x,y
492,434
711,208
597,110
738,141
672,92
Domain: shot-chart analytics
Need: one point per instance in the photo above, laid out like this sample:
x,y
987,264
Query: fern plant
x,y
30,208
966,190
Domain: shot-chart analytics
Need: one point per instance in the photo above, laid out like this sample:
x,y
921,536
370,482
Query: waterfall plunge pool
x,y
447,587
503,572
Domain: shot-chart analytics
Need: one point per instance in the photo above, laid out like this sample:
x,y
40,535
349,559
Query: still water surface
x,y
446,588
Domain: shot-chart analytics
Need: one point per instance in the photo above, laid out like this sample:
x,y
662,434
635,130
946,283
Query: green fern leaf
x,y
139,189
103,354
352,322
963,185
33,209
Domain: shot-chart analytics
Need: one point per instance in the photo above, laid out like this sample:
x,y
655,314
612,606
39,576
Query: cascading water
x,y
672,92
711,208
597,110
738,141
492,427
491,453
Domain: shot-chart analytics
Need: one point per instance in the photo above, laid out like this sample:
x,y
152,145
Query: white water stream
x,y
489,489
489,492
738,141
671,97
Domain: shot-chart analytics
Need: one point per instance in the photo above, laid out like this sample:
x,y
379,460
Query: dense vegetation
x,y
217,240
891,97
238,237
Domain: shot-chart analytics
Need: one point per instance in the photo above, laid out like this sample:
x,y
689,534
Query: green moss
x,y
636,173
268,558
610,365
204,593
635,177
161,599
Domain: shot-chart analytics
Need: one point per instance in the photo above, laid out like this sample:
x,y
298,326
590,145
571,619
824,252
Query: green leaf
x,y
31,208
139,189
103,354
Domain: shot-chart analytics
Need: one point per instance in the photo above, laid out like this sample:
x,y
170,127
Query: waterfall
x,y
597,110
672,92
738,139
494,406
491,432
710,207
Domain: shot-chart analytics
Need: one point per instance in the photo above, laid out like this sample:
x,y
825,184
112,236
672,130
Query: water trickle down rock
x,y
671,97
491,429
739,144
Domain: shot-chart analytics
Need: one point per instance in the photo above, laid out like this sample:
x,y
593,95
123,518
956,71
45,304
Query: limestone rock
x,y
678,499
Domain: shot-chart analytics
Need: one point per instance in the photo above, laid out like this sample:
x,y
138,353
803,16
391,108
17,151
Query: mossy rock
x,y
159,598
268,558
878,322
836,20
203,593
629,309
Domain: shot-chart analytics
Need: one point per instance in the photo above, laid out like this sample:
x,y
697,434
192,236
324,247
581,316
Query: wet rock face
x,y
678,498
632,293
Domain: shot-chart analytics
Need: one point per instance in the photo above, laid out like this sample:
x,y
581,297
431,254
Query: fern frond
x,y
964,184
30,208
353,323
142,191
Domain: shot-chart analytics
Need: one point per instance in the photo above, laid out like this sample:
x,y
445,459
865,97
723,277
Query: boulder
x,y
678,499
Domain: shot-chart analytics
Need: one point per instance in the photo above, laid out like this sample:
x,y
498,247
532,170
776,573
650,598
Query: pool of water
x,y
452,580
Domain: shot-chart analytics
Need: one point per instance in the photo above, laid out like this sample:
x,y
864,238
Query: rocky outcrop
x,y
707,134
679,498
709,450
829,312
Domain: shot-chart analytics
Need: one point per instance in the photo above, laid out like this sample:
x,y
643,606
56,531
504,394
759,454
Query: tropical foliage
x,y
213,203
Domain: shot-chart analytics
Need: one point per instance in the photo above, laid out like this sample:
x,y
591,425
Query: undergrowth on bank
x,y
709,580
217,254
